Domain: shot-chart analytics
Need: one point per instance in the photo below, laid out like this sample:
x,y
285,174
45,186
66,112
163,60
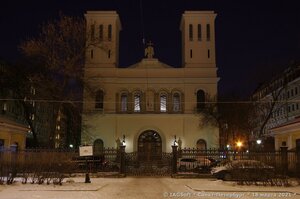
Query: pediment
x,y
150,63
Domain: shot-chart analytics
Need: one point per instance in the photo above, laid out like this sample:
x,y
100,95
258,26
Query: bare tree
x,y
59,50
230,114
270,99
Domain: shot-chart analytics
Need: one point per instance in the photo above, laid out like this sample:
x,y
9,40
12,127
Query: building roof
x,y
8,123
287,127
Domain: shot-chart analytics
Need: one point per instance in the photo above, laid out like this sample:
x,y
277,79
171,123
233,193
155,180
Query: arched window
x,y
191,32
98,147
109,32
201,144
200,100
163,102
124,102
99,99
137,102
199,32
176,102
208,32
101,32
92,32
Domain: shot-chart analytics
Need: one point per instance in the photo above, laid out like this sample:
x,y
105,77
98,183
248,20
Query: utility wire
x,y
187,102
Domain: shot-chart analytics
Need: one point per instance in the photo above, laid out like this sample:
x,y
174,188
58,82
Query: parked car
x,y
193,164
238,169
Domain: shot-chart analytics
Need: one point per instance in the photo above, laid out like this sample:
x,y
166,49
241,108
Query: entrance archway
x,y
149,146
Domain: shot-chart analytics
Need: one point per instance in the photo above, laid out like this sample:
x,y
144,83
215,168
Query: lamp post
x,y
174,151
123,141
122,156
258,142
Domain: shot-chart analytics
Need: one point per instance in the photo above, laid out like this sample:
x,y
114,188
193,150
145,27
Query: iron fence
x,y
200,161
41,162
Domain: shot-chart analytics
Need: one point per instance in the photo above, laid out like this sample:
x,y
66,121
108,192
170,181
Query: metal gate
x,y
139,164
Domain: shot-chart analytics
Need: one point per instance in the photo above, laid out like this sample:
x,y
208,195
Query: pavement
x,y
144,188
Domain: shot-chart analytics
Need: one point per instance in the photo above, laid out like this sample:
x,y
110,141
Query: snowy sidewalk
x,y
145,187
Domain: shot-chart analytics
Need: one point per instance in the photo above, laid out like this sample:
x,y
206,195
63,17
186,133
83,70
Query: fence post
x,y
284,159
298,161
174,160
122,159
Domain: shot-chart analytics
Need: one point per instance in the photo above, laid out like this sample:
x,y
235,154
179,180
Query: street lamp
x,y
239,144
175,141
258,141
124,142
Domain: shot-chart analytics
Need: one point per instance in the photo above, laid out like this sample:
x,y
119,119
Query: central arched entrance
x,y
149,146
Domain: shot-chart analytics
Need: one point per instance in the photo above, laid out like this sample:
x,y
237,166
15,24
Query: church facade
x,y
149,105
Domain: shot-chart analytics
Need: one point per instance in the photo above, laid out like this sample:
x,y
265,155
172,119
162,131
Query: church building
x,y
149,105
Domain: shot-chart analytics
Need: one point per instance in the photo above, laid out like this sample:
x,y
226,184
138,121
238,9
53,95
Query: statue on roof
x,y
149,51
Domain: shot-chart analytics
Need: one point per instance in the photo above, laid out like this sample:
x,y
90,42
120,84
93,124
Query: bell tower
x,y
103,29
198,39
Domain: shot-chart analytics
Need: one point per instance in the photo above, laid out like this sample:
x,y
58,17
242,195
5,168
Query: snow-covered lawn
x,y
146,187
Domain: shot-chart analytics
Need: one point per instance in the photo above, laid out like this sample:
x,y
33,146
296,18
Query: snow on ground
x,y
146,187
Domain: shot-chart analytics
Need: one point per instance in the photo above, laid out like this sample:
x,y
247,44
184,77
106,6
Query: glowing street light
x,y
239,144
258,141
124,142
175,141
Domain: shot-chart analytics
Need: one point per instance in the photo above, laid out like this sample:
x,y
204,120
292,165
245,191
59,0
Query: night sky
x,y
254,38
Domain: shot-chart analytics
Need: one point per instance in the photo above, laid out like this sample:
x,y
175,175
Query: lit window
x,y
99,99
208,32
101,32
199,32
123,102
109,32
137,103
191,32
176,102
163,102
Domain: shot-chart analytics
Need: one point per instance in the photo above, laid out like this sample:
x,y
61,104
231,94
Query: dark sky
x,y
254,38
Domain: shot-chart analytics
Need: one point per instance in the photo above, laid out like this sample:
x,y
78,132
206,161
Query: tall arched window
x,y
199,32
124,104
208,32
99,99
191,32
92,32
200,100
163,102
101,32
176,102
109,32
137,102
